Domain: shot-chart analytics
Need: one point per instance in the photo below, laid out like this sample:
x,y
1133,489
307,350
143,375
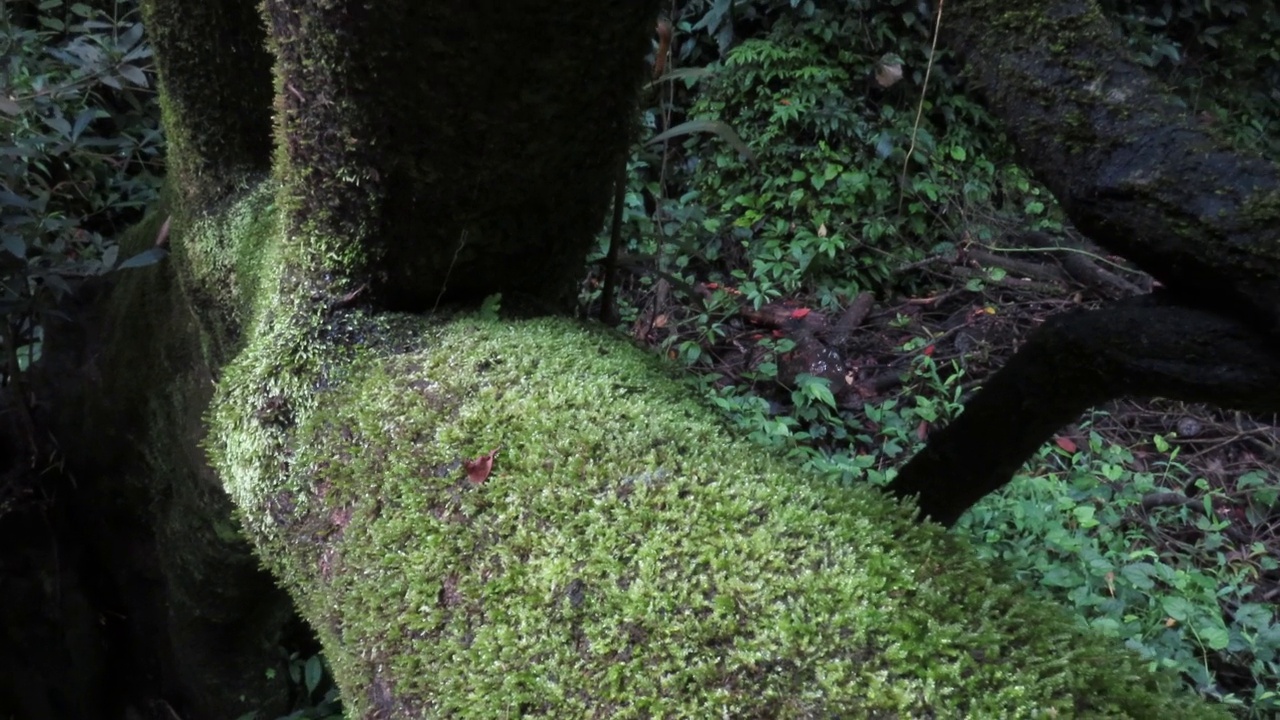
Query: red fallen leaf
x,y
478,470
712,286
922,431
928,351
1065,443
777,333
799,313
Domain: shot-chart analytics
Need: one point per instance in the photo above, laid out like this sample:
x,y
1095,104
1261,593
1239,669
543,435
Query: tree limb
x,y
1143,346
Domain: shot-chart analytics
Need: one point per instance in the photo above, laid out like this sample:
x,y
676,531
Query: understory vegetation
x,y
831,234
840,254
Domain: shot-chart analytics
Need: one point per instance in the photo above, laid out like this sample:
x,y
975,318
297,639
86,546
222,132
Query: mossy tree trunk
x,y
1139,176
483,517
123,391
478,143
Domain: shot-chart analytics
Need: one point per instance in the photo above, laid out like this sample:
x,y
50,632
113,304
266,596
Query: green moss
x,y
1263,208
626,557
217,115
221,258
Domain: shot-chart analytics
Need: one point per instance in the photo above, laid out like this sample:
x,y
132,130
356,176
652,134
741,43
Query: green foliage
x,y
827,209
821,206
309,676
83,146
1075,527
839,444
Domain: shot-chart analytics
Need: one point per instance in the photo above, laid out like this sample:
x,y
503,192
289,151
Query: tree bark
x,y
192,603
466,168
1136,174
216,72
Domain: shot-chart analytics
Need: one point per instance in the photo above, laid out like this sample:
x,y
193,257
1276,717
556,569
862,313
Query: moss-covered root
x,y
625,557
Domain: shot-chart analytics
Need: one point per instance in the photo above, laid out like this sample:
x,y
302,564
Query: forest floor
x,y
1211,503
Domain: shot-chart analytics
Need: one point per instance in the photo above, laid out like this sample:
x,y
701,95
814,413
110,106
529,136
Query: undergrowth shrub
x,y
832,206
81,158
1170,580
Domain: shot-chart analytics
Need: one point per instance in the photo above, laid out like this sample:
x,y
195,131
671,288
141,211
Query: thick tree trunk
x,y
1136,174
472,161
1133,170
186,597
216,72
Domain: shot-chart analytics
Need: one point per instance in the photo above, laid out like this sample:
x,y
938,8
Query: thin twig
x,y
444,284
924,88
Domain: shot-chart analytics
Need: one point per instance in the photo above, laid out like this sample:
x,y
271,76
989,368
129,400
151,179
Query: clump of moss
x,y
625,557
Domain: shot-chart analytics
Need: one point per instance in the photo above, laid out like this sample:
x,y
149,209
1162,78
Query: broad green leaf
x,y
59,124
15,245
1178,608
144,258
133,74
1215,637
109,257
85,117
314,671
717,127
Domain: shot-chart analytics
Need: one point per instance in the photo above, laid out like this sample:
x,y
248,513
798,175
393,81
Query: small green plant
x,y
309,676
839,444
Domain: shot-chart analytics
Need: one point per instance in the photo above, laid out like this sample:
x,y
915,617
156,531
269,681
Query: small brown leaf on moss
x,y
478,469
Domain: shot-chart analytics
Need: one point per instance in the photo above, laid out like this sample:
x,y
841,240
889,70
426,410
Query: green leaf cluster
x,y
1076,528
80,159
828,209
